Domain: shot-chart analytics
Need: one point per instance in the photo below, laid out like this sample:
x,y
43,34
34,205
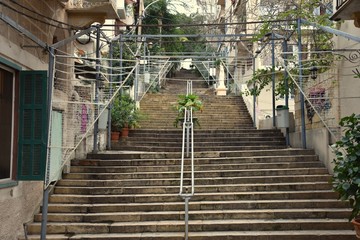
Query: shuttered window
x,y
33,125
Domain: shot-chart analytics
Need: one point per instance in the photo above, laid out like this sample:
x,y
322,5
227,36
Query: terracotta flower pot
x,y
125,132
356,223
115,136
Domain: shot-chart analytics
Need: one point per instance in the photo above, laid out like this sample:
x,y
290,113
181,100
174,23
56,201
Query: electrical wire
x,y
32,11
31,17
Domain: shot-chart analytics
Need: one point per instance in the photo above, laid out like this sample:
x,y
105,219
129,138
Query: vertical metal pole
x,y
46,191
121,61
285,47
186,218
136,83
111,93
302,103
273,78
254,96
44,213
96,99
187,135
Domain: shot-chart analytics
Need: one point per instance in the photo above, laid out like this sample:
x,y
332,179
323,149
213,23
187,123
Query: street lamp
x,y
313,72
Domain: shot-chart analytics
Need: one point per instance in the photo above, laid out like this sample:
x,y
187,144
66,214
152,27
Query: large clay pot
x,y
356,223
125,132
115,136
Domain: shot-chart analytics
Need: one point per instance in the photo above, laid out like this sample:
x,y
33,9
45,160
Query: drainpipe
x,y
273,78
96,99
302,102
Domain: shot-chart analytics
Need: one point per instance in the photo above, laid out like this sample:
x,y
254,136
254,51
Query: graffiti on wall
x,y
317,101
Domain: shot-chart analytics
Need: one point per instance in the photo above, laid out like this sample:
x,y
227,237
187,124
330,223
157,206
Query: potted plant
x,y
184,102
116,124
346,179
129,115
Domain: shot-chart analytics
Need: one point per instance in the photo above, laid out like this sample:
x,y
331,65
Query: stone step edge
x,y
202,222
199,202
259,235
196,194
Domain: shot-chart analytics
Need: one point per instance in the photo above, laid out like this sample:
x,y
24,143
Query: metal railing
x,y
188,140
204,70
340,3
152,76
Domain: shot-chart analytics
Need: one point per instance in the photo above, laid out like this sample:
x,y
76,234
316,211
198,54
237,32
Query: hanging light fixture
x,y
313,72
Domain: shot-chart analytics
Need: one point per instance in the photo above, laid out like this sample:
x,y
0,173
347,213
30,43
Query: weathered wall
x,y
17,206
20,200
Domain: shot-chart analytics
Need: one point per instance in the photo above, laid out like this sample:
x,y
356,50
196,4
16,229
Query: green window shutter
x,y
33,125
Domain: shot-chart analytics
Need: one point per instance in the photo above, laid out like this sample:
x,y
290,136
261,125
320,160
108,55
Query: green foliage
x,y
185,102
124,113
346,179
263,78
162,14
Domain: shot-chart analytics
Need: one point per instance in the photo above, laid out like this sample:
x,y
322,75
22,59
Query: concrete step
x,y
176,181
81,190
214,235
217,196
121,147
203,205
196,226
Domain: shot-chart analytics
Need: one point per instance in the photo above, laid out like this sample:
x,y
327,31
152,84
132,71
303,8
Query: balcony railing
x,y
340,3
91,3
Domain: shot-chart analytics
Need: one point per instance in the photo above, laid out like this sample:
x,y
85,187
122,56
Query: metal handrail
x,y
188,128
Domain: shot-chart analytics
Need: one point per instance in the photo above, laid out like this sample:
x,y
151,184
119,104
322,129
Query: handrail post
x,y
188,125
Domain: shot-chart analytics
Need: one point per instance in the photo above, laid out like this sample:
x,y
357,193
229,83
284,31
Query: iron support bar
x,y
286,83
254,96
22,30
111,52
46,191
96,112
330,30
302,102
72,38
273,79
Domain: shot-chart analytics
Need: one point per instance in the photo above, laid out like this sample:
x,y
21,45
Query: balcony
x,y
83,13
347,10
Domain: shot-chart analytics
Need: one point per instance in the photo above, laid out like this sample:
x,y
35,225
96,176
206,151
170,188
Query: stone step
x,y
287,219
201,139
131,142
266,160
203,205
119,146
198,167
214,235
217,196
81,190
213,133
215,154
176,181
200,174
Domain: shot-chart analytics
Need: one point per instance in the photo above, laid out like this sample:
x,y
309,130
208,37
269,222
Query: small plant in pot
x,y
346,179
116,123
184,102
129,115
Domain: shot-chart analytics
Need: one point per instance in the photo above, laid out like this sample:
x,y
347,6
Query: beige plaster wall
x,y
17,206
317,139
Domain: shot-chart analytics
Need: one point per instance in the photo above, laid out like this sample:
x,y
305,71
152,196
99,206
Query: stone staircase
x,y
248,184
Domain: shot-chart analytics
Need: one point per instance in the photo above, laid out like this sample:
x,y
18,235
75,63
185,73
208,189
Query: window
x,y
7,107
